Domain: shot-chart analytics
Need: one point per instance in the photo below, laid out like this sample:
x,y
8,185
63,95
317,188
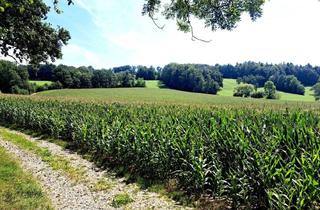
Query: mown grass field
x,y
153,94
40,83
230,84
152,84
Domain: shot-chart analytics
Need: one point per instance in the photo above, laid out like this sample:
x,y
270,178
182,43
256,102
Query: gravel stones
x,y
66,194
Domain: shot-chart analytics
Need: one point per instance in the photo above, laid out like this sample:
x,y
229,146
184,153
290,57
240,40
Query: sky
x,y
108,33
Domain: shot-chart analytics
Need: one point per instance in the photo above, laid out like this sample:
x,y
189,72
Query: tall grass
x,y
258,159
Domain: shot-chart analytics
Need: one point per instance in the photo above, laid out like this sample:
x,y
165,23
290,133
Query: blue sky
x,y
107,33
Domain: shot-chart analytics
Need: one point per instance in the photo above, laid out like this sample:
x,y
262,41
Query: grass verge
x,y
18,189
54,161
121,199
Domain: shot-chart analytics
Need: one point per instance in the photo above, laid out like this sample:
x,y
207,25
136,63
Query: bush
x,y
270,90
257,94
55,85
237,94
140,82
17,90
243,90
32,88
42,88
316,89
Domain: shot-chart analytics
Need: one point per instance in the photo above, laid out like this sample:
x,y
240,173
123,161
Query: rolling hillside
x,y
153,94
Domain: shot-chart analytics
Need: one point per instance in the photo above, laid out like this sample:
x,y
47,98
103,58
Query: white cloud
x,y
78,56
287,32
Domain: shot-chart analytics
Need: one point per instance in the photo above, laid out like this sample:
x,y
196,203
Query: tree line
x,y
88,77
188,77
287,77
192,77
15,78
48,71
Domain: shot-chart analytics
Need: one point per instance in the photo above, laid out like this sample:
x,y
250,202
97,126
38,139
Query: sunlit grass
x,y
56,162
40,83
18,189
152,84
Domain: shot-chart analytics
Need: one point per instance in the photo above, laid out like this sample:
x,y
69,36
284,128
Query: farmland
x,y
153,94
268,159
200,105
230,84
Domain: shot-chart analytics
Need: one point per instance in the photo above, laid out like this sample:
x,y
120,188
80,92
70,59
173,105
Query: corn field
x,y
267,159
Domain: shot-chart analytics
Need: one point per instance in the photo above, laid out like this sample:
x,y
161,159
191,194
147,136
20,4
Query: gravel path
x,y
66,194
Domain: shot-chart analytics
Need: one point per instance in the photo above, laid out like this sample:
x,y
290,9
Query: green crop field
x,y
153,94
256,158
40,83
162,96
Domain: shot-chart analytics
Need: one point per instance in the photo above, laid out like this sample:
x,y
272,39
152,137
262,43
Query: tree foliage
x,y
270,90
288,83
24,34
257,94
316,89
217,14
192,77
287,77
14,79
87,77
258,73
146,73
243,90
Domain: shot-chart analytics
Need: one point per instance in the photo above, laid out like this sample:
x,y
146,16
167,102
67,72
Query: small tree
x,y
243,90
316,89
140,82
270,90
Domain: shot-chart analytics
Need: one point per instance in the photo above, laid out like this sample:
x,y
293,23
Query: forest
x,y
200,78
286,76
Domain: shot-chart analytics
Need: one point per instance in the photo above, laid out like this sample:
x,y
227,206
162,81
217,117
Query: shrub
x,y
140,82
243,90
42,88
257,94
316,89
270,90
56,85
121,199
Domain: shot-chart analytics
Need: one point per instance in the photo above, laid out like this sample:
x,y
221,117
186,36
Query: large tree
x,y
24,33
216,14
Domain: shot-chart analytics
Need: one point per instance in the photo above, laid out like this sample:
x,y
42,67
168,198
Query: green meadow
x,y
154,94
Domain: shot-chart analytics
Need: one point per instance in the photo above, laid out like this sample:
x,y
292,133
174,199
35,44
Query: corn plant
x,y
267,159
